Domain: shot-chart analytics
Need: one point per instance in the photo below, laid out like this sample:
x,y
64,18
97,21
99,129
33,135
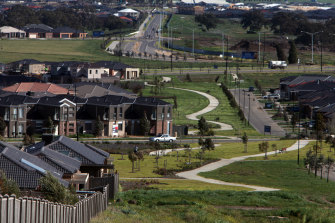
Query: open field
x,y
230,150
215,206
183,184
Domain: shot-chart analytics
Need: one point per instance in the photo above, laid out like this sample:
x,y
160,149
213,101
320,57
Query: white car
x,y
163,138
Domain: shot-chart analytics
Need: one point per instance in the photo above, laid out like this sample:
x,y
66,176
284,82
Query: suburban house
x,y
158,112
116,69
93,161
70,167
7,80
120,115
13,110
26,66
293,85
67,33
129,13
11,32
25,169
37,31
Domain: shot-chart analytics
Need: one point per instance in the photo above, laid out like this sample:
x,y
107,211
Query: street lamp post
x,y
249,111
312,35
244,104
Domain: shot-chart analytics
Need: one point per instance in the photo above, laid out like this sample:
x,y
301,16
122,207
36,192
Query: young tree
x,y
2,126
145,124
28,140
274,148
320,162
8,186
203,126
329,140
140,156
294,120
263,147
329,162
132,157
245,142
49,124
292,57
98,127
280,52
56,192
309,160
320,127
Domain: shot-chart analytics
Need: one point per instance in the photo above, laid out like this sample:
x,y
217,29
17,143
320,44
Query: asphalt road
x,y
254,112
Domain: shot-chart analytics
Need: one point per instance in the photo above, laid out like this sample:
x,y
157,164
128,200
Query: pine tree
x,y
292,58
98,127
2,126
49,124
245,142
145,124
203,126
280,53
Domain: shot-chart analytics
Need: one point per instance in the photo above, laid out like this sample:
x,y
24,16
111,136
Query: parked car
x,y
163,138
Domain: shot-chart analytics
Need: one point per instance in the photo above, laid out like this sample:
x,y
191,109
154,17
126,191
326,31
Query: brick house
x,y
67,32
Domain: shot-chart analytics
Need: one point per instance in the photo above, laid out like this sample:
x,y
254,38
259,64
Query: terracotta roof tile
x,y
36,87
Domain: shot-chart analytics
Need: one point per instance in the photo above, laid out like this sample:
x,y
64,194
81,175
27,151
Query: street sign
x,y
267,128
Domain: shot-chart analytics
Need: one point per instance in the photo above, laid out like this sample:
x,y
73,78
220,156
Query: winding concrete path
x,y
213,103
193,174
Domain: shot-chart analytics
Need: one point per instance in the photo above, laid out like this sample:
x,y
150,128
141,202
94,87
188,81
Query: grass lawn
x,y
282,174
223,113
156,206
184,184
148,165
230,150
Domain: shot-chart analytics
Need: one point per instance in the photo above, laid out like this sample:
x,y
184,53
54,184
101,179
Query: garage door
x,y
33,36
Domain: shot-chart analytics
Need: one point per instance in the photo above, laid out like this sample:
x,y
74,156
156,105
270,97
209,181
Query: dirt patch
x,y
139,184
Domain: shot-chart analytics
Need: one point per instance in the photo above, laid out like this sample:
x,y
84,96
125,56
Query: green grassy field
x,y
230,150
215,206
190,104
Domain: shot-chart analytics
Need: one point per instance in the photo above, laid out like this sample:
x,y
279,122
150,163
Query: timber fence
x,y
35,210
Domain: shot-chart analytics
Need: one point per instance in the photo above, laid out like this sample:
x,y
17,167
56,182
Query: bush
x,y
56,192
8,186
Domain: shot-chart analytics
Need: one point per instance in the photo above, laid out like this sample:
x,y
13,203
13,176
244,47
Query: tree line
x,y
290,23
82,19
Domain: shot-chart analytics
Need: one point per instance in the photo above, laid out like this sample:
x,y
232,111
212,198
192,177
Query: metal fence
x,y
35,210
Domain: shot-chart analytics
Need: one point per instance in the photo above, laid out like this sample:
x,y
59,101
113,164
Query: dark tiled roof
x,y
17,100
150,101
27,61
94,155
42,27
297,80
25,168
66,29
315,86
13,79
58,160
55,101
109,100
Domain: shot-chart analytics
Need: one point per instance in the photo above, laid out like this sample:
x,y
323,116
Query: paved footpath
x,y
193,174
213,103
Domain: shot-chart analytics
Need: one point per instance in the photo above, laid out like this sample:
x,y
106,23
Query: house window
x,y
14,130
168,112
88,126
115,112
21,110
71,109
120,126
153,116
96,71
163,112
71,125
20,129
15,113
90,71
71,115
120,113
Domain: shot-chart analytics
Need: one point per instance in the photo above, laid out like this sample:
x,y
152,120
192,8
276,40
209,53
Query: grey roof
x,y
108,100
7,80
35,27
66,29
25,168
303,79
88,89
27,61
149,101
95,155
55,101
112,65
17,100
56,159
3,145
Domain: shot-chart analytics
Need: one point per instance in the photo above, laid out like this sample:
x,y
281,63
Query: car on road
x,y
163,138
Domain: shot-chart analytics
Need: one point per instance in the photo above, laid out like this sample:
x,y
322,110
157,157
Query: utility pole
x,y
312,35
263,49
321,55
259,47
227,62
193,42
